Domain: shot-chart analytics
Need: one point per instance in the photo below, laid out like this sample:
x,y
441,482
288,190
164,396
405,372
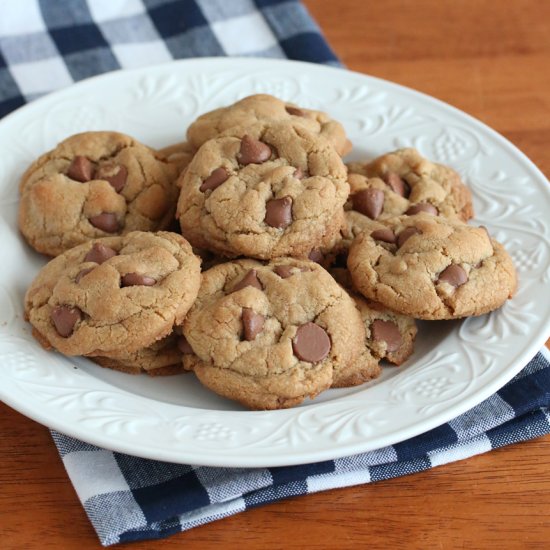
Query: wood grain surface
x,y
492,60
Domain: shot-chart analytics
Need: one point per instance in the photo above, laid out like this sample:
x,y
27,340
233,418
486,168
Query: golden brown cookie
x,y
94,185
279,191
432,268
118,294
178,155
265,108
389,335
403,182
271,335
161,358
334,253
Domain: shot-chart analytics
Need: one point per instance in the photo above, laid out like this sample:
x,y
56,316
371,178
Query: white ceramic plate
x,y
456,364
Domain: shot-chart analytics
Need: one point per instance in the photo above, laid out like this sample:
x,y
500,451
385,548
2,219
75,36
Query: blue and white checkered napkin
x,y
45,45
129,498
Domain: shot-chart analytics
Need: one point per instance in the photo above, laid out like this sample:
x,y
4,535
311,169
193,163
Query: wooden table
x,y
491,59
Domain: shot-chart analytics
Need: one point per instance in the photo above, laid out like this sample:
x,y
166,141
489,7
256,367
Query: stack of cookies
x,y
316,270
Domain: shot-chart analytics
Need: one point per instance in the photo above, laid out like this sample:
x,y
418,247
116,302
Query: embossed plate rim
x,y
294,436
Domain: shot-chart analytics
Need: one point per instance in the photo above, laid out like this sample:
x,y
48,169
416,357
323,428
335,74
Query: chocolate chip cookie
x,y
335,252
270,336
389,335
278,191
117,294
94,185
162,358
178,155
265,108
403,182
432,268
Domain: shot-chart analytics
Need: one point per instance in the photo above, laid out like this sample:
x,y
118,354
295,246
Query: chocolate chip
x,y
135,279
215,179
422,207
397,184
115,174
250,279
278,212
81,169
284,271
405,234
385,235
65,318
183,345
311,343
294,111
81,274
253,323
369,202
386,331
454,275
106,222
253,151
100,253
300,174
316,256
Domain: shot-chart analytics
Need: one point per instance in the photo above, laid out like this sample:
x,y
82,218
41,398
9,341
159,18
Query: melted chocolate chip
x,y
397,184
294,111
215,179
278,212
183,345
115,174
284,271
454,275
316,256
253,323
253,151
406,234
135,279
64,319
81,169
250,279
369,202
311,343
106,222
385,235
82,273
386,331
100,253
422,207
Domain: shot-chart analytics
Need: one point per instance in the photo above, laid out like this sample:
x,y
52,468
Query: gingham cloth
x,y
48,44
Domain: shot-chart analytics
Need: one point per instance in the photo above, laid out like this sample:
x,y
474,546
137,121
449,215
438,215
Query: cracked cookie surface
x,y
403,182
279,191
94,185
270,336
265,108
432,268
117,294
